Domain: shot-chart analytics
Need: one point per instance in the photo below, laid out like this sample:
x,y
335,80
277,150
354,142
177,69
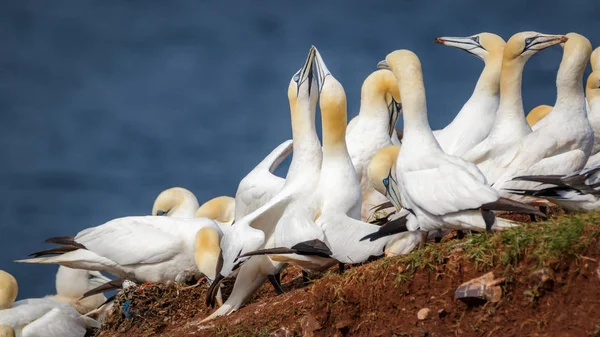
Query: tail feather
x,y
53,251
508,205
544,179
108,286
65,240
392,227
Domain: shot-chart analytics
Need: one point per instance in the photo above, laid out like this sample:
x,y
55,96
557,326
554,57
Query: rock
x,y
281,332
309,325
480,290
543,279
423,314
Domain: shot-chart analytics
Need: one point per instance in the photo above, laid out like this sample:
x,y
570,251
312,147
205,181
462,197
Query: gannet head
x,y
332,104
592,88
8,290
481,45
221,209
381,172
595,59
238,239
302,91
174,201
537,113
523,45
6,331
381,87
207,252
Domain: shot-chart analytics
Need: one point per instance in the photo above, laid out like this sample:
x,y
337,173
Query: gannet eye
x,y
528,40
399,106
296,77
161,212
386,182
475,38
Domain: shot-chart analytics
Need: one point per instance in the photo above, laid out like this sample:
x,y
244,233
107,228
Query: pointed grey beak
x,y
322,71
306,73
211,294
394,109
383,65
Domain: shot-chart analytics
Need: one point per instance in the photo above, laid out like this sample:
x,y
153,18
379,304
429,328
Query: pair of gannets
x,y
509,127
53,316
438,190
562,141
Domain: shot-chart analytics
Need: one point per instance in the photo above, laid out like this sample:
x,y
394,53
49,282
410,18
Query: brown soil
x,y
376,299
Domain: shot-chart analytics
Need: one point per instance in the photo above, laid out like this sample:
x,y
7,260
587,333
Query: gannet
x,y
595,59
38,317
510,125
578,191
72,284
536,114
141,249
438,190
326,227
255,230
592,92
563,140
220,209
372,130
474,121
175,202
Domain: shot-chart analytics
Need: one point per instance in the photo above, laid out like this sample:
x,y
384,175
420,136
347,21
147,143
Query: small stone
x,y
442,313
309,325
480,290
281,332
543,279
423,314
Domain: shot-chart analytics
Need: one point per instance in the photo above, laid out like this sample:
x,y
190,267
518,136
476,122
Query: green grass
x,y
541,243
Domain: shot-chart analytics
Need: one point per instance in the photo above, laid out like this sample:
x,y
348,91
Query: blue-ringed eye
x,y
386,182
475,38
296,77
528,40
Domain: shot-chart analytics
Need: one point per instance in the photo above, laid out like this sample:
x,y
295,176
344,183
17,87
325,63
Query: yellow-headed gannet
x,y
592,93
510,125
474,121
175,202
220,209
536,114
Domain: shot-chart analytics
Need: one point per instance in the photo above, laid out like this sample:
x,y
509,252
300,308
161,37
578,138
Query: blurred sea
x,y
106,103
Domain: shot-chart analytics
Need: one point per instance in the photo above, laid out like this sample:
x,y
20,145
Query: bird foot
x,y
200,281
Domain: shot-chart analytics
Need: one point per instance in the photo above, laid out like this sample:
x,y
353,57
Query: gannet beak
x,y
306,73
383,65
465,43
211,295
322,71
543,41
394,109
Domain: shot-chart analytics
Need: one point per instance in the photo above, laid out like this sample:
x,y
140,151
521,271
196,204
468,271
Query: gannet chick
x,y
38,316
592,93
510,126
72,284
255,230
563,140
438,190
536,114
220,209
474,121
137,248
175,202
372,130
578,191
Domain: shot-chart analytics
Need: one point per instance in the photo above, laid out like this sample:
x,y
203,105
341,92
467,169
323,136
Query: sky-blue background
x,y
103,104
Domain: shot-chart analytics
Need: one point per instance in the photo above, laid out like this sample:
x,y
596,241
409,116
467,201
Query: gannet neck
x,y
6,331
569,80
407,68
207,252
595,59
537,113
592,89
382,163
489,80
176,202
333,117
8,290
221,209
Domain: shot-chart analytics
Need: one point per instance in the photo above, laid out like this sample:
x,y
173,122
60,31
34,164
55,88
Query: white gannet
x,y
563,140
326,228
474,121
438,190
255,230
140,249
510,125
261,185
38,317
72,284
578,191
220,209
372,130
592,92
536,114
175,202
